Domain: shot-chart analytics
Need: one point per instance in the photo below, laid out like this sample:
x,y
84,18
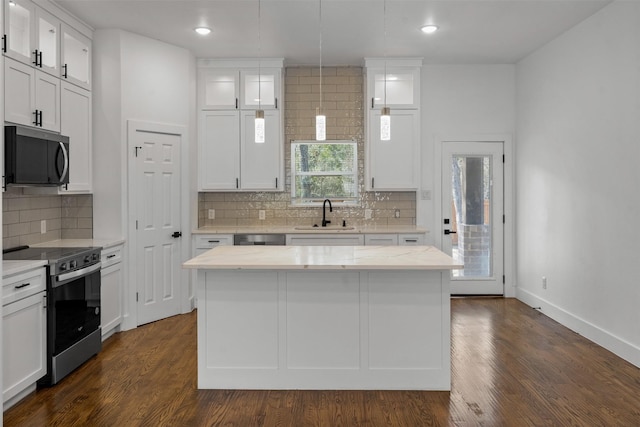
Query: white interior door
x,y
473,215
158,203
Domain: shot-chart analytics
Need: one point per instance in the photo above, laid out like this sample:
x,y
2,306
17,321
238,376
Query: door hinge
x,y
503,279
504,219
136,224
503,158
136,297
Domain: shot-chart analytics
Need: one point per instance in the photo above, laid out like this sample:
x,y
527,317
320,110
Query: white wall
x,y
578,145
136,78
462,100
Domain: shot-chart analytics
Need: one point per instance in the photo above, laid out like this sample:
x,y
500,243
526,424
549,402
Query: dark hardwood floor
x,y
511,366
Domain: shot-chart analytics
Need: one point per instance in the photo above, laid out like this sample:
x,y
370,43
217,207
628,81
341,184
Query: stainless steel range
x,y
73,306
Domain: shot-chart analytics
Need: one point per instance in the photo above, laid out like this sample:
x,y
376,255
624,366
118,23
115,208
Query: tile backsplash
x,y
343,104
68,216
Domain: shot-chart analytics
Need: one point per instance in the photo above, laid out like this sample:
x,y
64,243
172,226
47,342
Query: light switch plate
x,y
212,214
261,214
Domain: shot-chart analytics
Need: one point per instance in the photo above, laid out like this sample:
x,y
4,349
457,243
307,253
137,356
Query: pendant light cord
x,y
320,20
384,48
259,55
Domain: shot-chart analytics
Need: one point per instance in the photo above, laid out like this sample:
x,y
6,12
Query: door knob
x,y
449,232
176,234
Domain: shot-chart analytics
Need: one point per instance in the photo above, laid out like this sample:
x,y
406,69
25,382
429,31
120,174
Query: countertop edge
x,y
400,229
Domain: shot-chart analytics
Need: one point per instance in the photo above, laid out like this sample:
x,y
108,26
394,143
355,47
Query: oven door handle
x,y
78,273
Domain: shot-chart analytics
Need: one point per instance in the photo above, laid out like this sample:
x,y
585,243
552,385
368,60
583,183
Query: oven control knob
x,y
73,263
94,257
63,266
87,259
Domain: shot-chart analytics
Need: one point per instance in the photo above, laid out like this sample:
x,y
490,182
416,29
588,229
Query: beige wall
x,y
343,103
67,217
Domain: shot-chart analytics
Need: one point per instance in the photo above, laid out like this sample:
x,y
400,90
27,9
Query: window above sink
x,y
324,170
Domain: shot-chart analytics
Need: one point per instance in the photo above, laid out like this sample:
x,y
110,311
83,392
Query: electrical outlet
x,y
368,213
544,282
397,213
212,214
43,226
261,214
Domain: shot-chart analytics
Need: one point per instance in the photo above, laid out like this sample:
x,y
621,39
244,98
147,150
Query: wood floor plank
x,y
511,366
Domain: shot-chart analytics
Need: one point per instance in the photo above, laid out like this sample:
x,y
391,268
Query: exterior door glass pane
x,y
471,215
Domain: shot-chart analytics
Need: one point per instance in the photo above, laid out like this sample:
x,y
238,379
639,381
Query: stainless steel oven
x,y
73,306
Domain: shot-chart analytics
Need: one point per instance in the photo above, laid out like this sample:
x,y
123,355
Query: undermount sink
x,y
317,228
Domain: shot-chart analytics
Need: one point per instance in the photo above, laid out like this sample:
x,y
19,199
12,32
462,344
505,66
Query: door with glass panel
x,y
472,215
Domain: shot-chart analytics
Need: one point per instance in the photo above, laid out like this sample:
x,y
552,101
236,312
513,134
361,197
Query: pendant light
x,y
385,114
321,119
259,120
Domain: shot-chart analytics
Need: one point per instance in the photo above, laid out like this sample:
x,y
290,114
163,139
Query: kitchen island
x,y
323,317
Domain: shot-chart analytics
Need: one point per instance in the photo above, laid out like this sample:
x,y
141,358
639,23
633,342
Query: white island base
x,y
314,324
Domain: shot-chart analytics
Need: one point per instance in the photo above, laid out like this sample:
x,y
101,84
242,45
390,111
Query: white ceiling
x,y
471,31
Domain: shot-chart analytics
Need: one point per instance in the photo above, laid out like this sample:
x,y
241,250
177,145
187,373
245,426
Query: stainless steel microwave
x,y
35,157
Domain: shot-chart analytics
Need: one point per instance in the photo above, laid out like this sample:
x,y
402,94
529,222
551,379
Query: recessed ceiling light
x,y
428,29
203,31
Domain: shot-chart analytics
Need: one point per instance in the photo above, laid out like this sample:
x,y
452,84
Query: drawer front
x,y
111,256
22,285
411,239
380,239
208,241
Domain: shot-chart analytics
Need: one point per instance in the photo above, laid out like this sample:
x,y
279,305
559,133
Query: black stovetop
x,y
40,253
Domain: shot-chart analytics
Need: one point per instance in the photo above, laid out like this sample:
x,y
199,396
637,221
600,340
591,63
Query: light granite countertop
x,y
323,258
80,243
299,229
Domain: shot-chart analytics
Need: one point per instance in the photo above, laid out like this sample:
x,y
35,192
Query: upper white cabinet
x,y
229,92
18,40
393,165
76,57
75,122
32,36
32,98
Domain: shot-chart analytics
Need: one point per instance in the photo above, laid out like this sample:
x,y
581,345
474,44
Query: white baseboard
x,y
614,344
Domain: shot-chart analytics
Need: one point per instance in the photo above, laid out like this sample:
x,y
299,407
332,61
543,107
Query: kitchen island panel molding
x,y
323,329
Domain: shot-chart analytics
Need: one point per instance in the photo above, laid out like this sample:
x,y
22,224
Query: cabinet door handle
x,y
276,103
35,58
214,241
411,240
40,118
4,43
44,303
64,67
236,103
24,285
276,182
237,183
36,114
372,103
372,181
111,256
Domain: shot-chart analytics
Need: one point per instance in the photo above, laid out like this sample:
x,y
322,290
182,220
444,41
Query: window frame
x,y
335,200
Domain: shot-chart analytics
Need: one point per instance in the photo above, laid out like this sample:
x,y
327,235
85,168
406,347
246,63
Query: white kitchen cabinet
x,y
32,97
19,36
76,57
24,336
416,239
201,243
47,39
228,87
111,284
334,239
393,165
381,239
228,157
229,93
75,122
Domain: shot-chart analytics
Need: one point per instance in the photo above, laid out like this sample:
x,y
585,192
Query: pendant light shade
x,y
321,125
385,124
259,127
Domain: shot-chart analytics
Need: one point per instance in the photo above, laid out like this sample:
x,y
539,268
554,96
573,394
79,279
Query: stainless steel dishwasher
x,y
259,239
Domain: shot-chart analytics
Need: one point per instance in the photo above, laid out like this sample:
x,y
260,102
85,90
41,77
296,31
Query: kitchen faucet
x,y
324,212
